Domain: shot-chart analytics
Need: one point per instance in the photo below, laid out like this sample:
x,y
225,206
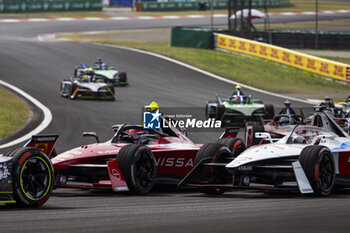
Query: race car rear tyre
x,y
236,145
210,150
269,111
138,167
256,127
220,110
123,79
32,177
210,111
319,167
216,152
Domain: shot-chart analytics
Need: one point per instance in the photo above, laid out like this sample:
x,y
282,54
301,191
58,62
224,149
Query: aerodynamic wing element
x,y
116,177
303,182
200,173
46,143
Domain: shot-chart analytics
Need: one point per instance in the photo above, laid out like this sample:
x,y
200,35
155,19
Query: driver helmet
x,y
299,140
99,61
329,102
238,91
135,134
237,100
152,107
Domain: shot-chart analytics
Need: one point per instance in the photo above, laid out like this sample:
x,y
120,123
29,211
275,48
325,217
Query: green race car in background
x,y
238,109
103,72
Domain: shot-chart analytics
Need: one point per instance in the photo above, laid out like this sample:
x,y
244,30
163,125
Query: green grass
x,y
252,71
14,112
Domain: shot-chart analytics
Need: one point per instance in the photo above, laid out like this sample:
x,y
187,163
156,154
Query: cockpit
x,y
239,99
136,134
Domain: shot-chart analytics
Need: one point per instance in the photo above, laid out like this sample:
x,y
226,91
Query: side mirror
x,y
115,128
91,135
265,136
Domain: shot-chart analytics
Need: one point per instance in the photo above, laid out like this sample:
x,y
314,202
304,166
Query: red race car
x,y
133,160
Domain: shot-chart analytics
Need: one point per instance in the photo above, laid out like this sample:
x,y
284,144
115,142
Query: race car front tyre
x,y
32,177
209,150
220,110
217,153
236,145
122,81
319,167
138,167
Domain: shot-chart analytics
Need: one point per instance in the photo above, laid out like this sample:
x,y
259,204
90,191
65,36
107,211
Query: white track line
x,y
208,73
38,129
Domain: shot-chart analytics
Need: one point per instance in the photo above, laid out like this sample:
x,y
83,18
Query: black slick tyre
x,y
269,111
319,167
236,145
32,177
216,152
220,110
138,167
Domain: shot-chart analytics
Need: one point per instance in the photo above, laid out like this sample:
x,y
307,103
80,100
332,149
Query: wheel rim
x,y
145,170
35,178
326,172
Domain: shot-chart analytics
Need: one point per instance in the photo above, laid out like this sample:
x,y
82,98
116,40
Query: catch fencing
x,y
200,5
50,6
328,68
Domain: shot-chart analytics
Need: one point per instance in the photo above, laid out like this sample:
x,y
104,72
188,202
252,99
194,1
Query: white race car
x,y
312,159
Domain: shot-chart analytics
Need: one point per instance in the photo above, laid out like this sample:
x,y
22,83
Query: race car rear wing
x,y
46,143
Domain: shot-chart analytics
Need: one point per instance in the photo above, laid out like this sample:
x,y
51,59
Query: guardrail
x,y
201,5
328,68
44,6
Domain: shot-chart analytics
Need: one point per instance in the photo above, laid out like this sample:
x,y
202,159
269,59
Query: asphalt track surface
x,y
37,68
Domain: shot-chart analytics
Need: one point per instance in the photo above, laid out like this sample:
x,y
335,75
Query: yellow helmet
x,y
152,107
238,87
